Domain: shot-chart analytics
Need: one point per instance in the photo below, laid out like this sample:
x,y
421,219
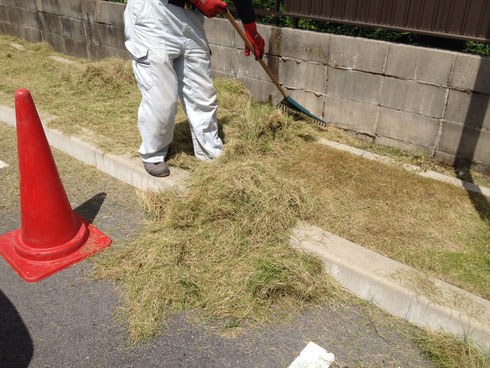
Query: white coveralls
x,y
171,58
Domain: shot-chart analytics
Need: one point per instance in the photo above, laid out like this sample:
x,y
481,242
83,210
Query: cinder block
x,y
420,64
9,2
50,23
218,74
118,53
411,128
445,157
3,26
27,4
413,97
32,35
72,28
88,9
110,13
110,36
95,51
29,19
55,40
248,67
304,45
470,109
10,29
300,74
14,15
77,48
357,53
91,34
262,91
220,32
4,16
98,52
402,145
354,85
224,60
309,101
451,159
472,73
77,9
350,114
465,142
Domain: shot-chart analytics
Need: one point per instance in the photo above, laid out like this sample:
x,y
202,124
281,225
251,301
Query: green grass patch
x,y
447,352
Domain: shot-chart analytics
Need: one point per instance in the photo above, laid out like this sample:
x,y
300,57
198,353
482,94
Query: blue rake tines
x,y
297,108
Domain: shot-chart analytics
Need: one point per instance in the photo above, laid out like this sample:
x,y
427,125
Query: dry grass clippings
x,y
222,246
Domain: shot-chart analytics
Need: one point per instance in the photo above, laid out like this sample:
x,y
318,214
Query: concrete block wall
x,y
83,28
408,97
412,98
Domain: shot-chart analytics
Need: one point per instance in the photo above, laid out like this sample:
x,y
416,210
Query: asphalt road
x,y
67,320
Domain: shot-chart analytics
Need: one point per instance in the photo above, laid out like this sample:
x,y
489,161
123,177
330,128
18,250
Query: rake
x,y
287,102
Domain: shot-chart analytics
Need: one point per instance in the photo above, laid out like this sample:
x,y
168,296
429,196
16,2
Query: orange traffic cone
x,y
52,237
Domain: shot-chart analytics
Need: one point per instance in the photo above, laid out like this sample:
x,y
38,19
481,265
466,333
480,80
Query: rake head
x,y
300,112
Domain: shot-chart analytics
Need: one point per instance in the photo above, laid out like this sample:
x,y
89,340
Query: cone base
x,y
33,271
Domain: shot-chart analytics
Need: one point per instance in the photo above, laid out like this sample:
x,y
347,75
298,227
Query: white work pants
x,y
171,58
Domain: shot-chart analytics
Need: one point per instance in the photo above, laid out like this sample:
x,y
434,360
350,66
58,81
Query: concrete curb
x,y
415,169
127,169
397,288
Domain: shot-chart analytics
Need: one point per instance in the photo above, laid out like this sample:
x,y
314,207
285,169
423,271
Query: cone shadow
x,y
89,209
16,347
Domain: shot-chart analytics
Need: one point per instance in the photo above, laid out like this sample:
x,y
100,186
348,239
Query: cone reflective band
x,y
52,237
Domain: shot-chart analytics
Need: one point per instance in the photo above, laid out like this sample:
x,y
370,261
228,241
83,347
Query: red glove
x,y
210,8
255,39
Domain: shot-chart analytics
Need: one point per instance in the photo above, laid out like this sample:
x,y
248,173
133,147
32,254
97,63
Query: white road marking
x,y
2,164
313,356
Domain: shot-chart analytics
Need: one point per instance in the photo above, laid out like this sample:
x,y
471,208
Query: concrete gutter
x,y
397,288
415,169
388,284
127,169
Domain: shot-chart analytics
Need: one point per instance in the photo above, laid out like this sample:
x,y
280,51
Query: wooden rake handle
x,y
250,46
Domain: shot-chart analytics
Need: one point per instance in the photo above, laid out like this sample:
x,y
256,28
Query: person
x,y
171,60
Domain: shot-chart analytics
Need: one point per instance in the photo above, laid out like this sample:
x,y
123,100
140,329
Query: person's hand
x,y
210,8
255,39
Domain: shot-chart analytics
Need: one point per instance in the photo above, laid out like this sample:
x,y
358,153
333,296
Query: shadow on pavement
x,y
16,348
470,136
89,209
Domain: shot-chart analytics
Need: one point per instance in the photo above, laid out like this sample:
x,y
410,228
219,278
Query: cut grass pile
x,y
221,247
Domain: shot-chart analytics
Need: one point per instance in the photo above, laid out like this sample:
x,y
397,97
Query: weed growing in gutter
x,y
447,352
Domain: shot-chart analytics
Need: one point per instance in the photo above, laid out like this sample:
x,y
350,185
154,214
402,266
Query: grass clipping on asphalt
x,y
222,245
